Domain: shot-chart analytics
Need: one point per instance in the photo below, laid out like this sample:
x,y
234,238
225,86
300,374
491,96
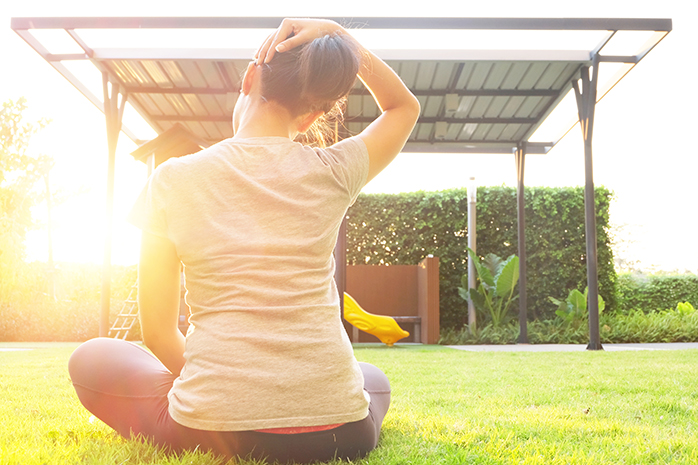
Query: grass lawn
x,y
449,407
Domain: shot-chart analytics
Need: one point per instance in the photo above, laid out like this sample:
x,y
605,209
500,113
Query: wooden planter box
x,y
398,291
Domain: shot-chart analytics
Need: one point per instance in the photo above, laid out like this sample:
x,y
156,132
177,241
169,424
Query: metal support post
x,y
340,253
340,260
586,105
113,113
472,244
520,158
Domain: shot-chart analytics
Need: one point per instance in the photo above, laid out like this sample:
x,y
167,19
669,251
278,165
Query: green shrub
x,y
28,313
405,228
539,332
573,309
655,292
656,326
679,324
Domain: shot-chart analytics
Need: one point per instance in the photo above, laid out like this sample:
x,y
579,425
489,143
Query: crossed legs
x,y
125,386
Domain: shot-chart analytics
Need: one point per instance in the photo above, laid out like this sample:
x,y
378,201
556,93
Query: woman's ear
x,y
248,78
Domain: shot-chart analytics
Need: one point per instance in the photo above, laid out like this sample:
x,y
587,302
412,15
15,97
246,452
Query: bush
x,y
539,332
673,325
655,326
28,313
655,292
405,228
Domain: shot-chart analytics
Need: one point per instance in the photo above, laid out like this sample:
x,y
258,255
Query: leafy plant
x,y
685,309
495,294
574,308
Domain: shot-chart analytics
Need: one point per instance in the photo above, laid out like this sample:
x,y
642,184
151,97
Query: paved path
x,y
489,348
575,347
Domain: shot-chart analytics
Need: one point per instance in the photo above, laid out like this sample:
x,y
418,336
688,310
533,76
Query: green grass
x,y
449,407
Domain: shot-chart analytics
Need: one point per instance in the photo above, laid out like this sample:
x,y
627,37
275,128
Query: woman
x,y
266,369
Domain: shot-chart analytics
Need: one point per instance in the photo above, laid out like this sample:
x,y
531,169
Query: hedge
x,y
656,292
28,313
394,229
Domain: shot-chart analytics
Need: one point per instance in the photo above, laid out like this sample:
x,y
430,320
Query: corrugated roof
x,y
473,100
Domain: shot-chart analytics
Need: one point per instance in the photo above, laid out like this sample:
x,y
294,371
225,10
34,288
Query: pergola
x,y
497,96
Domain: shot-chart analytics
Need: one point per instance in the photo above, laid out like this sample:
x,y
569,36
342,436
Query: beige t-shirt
x,y
255,222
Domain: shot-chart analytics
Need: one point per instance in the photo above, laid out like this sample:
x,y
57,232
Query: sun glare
x,y
79,178
626,151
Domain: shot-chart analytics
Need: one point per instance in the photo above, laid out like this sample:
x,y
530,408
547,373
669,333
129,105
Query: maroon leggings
x,y
126,387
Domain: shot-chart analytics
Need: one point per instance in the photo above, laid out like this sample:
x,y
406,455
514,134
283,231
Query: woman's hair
x,y
316,76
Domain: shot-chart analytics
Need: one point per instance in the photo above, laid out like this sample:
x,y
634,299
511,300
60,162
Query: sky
x,y
643,148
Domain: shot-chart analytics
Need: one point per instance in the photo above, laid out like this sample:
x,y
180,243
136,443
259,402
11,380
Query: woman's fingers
x,y
269,47
292,42
262,50
292,33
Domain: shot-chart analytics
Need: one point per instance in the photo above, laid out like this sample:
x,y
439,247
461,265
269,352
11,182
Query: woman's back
x,y
254,222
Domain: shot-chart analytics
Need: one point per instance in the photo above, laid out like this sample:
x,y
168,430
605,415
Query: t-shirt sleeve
x,y
149,211
351,167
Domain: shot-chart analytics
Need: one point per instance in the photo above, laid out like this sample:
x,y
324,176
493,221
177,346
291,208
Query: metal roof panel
x,y
496,106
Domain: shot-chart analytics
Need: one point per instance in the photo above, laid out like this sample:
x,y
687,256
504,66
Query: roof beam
x,y
474,93
194,118
66,56
359,119
362,91
475,146
618,59
436,119
385,54
550,24
179,90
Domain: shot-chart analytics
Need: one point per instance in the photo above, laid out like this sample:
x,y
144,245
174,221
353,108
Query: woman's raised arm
x,y
386,135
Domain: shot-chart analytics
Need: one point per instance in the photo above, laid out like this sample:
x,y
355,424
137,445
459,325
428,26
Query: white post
x,y
49,264
472,244
150,163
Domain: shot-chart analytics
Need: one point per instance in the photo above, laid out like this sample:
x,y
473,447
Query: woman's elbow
x,y
414,107
150,338
153,334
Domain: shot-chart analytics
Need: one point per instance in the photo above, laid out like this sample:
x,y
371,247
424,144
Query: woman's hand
x,y
294,32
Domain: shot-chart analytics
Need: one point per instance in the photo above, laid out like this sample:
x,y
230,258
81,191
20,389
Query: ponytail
x,y
316,76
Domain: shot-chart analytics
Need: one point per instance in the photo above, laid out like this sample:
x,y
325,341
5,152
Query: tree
x,y
20,187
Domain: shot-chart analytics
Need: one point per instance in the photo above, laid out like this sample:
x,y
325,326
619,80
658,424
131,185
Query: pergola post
x,y
340,262
113,113
340,249
586,105
520,157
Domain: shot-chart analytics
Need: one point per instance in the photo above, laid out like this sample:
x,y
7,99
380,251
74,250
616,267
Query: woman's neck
x,y
263,119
